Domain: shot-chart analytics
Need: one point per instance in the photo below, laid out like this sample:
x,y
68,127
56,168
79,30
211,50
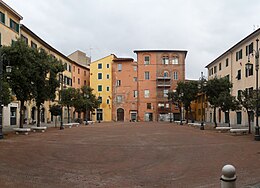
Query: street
x,y
127,155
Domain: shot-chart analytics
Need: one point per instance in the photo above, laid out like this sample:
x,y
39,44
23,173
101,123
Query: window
x,y
175,75
149,105
33,45
2,17
78,81
215,69
146,93
85,73
227,76
119,98
238,74
100,99
175,60
74,79
108,66
147,75
100,76
239,117
108,101
146,60
118,83
165,92
165,74
85,82
239,92
108,88
219,66
107,76
165,60
160,105
69,68
119,67
135,93
135,68
100,66
25,39
211,71
239,55
14,25
73,68
249,48
135,79
227,62
78,71
99,87
249,70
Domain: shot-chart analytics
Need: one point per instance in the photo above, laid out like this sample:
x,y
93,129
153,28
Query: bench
x,y
223,129
89,122
194,124
41,129
70,124
22,130
239,131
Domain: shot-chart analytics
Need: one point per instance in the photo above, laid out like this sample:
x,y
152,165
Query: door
x,y
120,114
133,116
13,116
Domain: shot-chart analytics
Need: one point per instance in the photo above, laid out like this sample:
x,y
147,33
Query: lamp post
x,y
8,70
257,136
61,115
201,85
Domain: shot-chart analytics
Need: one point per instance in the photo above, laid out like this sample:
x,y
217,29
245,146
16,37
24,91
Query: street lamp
x,y
201,85
61,115
8,70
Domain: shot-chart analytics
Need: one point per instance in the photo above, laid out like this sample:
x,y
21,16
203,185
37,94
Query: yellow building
x,y
101,82
9,31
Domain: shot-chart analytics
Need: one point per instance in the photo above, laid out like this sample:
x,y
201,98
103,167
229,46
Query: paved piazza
x,y
126,155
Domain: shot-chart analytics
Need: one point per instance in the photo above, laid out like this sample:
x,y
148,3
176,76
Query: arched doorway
x,y
42,115
25,115
120,114
33,115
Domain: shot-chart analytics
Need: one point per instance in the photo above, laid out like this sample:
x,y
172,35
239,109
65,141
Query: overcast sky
x,y
205,28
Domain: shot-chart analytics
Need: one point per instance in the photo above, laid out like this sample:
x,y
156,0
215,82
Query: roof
x,y
123,59
255,33
12,10
177,51
26,29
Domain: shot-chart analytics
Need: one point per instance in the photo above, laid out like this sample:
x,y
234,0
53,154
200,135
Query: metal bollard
x,y
228,178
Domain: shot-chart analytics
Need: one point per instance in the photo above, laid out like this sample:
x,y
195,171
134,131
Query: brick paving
x,y
127,155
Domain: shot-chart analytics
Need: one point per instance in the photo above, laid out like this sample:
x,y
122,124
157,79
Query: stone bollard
x,y
228,178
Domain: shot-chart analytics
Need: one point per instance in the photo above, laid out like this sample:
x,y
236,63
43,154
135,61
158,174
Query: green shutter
x,y
17,27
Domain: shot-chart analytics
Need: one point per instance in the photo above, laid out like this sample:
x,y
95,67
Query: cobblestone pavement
x,y
126,155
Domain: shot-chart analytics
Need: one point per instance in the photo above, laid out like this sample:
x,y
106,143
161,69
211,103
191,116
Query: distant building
x,y
158,72
238,65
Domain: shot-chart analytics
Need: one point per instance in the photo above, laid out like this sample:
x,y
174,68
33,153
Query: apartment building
x,y
101,82
80,75
124,77
238,65
158,72
9,31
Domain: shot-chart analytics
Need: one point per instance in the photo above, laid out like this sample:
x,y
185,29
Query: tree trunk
x,y
187,114
21,114
38,115
228,119
56,121
249,122
214,117
68,107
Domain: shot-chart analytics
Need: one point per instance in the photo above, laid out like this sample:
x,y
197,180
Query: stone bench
x,y
41,129
89,122
238,131
22,130
70,124
194,124
223,129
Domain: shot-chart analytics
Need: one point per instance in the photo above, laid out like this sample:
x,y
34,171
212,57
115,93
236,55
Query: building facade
x,y
124,74
158,72
238,65
101,82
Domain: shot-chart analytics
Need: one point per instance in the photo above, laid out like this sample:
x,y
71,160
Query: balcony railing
x,y
163,78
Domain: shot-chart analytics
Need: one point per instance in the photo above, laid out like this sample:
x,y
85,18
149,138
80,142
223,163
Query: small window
x,y
108,66
149,105
119,67
100,99
175,75
85,82
135,79
2,17
146,93
85,73
135,93
78,81
33,45
108,102
219,66
147,75
165,60
165,74
25,39
73,68
119,98
78,71
100,66
249,70
118,83
15,26
100,76
69,68
239,75
99,87
146,60
107,76
165,92
175,60
227,62
108,88
135,68
215,69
